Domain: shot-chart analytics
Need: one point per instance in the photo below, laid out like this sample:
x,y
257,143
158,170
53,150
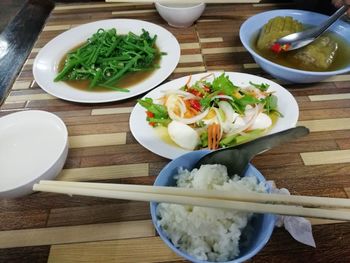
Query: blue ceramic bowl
x,y
262,224
251,27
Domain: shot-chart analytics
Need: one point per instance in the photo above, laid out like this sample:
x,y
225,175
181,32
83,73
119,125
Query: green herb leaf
x,y
270,105
224,85
205,102
262,86
247,100
159,111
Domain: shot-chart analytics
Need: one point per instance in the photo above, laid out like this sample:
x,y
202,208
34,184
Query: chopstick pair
x,y
244,201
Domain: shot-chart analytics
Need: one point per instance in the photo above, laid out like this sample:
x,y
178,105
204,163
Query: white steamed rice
x,y
207,233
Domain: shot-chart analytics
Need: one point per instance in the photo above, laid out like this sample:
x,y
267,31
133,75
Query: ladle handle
x,y
265,143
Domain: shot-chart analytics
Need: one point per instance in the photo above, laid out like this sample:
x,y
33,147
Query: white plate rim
x,y
148,138
47,60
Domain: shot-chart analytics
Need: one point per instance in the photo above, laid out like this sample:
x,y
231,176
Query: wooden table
x,y
56,228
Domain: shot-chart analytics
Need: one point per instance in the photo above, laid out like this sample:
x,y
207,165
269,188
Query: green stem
x,y
65,70
113,88
121,72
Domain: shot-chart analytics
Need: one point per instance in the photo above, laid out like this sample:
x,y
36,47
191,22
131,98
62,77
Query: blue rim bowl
x,y
251,27
263,224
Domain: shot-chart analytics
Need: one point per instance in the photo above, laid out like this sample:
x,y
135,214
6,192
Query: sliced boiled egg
x,y
239,122
183,135
262,121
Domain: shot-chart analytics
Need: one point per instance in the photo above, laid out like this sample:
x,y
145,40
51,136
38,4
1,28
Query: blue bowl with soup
x,y
201,234
304,65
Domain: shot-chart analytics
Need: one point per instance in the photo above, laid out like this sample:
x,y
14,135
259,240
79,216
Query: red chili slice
x,y
150,114
195,92
195,104
277,47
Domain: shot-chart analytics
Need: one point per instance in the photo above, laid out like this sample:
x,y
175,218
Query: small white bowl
x,y
180,15
33,147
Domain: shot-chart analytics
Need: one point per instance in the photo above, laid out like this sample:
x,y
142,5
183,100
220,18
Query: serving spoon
x,y
303,38
236,158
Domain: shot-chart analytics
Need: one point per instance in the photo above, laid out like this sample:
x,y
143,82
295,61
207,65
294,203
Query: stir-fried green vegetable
x,y
106,57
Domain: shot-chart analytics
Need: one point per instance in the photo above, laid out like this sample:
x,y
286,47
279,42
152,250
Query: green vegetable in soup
x,y
319,54
276,28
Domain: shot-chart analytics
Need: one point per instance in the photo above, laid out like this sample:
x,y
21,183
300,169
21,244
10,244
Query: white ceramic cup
x,y
180,15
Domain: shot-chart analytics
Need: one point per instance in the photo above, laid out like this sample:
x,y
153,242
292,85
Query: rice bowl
x,y
209,234
247,233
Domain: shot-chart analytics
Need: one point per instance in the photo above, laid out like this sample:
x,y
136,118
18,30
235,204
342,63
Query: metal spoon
x,y
236,158
303,38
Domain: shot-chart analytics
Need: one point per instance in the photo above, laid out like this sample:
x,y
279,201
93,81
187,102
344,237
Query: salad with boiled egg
x,y
213,114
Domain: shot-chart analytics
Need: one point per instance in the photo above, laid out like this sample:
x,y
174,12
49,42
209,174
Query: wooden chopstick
x,y
197,201
186,1
306,201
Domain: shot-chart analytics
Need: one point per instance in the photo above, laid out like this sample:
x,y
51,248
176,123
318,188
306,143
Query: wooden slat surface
x,y
56,228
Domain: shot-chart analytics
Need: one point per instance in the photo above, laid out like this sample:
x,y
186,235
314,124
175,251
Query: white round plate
x,y
45,67
147,136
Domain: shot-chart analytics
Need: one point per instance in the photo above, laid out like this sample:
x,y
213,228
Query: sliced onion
x,y
222,97
230,113
171,101
194,119
207,76
257,93
182,106
257,110
174,101
249,123
187,95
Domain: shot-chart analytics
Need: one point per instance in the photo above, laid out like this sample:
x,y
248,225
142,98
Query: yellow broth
x,y
162,132
127,81
341,58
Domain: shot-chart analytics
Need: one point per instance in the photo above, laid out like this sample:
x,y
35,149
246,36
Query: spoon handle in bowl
x,y
325,25
265,143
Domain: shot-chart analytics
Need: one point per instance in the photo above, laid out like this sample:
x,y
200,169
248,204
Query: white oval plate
x,y
45,67
148,137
